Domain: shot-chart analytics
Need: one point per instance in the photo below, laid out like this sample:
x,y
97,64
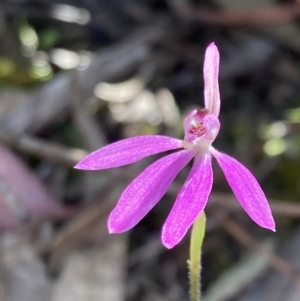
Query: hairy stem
x,y
194,263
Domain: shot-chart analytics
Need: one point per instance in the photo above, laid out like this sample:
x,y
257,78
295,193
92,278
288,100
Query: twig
x,y
91,132
263,16
283,208
85,224
239,276
246,239
42,148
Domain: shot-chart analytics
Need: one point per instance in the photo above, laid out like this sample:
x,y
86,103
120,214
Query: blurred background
x,y
78,74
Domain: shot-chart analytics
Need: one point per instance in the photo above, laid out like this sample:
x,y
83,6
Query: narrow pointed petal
x,y
246,189
211,84
128,151
190,202
146,190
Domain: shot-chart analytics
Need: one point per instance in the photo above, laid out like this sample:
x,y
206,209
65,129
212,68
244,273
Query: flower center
x,y
201,128
197,130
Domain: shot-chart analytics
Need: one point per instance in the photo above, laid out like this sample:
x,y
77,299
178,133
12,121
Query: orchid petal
x,y
211,85
190,201
128,151
146,190
246,189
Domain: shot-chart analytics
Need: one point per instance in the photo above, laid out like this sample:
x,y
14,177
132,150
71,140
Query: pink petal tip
x,y
128,151
246,189
190,202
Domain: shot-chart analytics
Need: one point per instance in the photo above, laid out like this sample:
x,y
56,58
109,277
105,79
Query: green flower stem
x,y
194,263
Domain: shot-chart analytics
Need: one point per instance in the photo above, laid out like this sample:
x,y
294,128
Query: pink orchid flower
x,y
201,129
